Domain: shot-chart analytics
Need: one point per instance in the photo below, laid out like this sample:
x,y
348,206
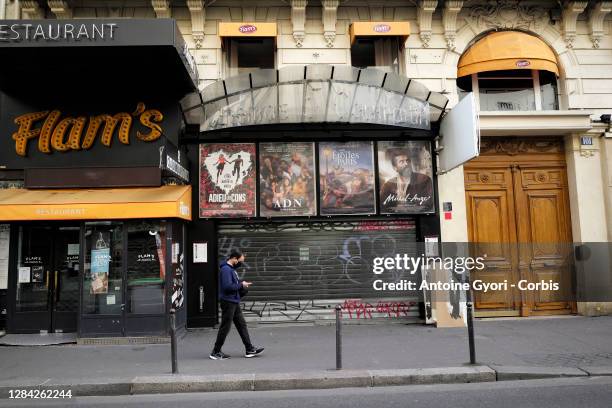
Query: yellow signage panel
x,y
98,204
379,29
247,29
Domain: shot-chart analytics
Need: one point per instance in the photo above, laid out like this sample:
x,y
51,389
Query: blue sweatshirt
x,y
229,284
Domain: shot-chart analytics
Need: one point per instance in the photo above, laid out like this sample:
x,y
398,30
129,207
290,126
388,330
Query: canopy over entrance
x,y
99,204
314,94
504,50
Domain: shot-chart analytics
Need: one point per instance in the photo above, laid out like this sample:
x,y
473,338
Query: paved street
x,y
592,392
569,341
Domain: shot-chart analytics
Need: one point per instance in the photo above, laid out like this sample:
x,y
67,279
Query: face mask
x,y
237,265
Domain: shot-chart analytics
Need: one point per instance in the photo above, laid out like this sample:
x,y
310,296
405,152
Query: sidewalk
x,y
302,355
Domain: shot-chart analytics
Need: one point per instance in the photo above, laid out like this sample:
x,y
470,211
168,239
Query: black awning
x,y
60,58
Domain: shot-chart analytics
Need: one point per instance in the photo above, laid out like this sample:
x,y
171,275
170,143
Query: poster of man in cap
x,y
405,177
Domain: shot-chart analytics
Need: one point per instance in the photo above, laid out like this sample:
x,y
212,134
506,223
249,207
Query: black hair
x,y
235,253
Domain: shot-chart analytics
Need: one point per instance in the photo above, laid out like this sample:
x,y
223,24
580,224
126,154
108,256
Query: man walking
x,y
229,288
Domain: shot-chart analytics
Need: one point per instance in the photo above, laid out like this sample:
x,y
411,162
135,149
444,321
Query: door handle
x,y
201,299
55,287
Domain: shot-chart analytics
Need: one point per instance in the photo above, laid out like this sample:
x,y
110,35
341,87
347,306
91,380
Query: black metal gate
x,y
296,267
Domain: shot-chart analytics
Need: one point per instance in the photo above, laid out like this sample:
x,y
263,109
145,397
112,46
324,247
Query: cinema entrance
x,y
313,172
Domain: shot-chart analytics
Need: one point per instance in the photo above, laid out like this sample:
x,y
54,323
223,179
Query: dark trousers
x,y
230,312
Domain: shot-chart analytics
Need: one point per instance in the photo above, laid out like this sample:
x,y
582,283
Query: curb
x,y
310,380
510,373
169,384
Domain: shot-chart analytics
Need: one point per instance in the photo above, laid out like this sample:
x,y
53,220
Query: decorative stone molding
x,y
571,11
513,146
597,14
330,17
60,8
449,21
298,19
31,10
162,8
587,153
506,14
425,10
197,9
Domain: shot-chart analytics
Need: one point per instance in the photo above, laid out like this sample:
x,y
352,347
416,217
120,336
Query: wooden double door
x,y
518,215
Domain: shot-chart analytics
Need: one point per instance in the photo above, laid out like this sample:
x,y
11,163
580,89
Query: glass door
x,y
32,311
47,279
103,301
65,294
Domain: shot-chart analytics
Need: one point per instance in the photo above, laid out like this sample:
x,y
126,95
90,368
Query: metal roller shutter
x,y
299,270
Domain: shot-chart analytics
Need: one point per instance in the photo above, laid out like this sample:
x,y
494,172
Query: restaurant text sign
x,y
19,32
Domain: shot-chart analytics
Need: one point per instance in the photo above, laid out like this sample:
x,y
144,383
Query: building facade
x,y
542,184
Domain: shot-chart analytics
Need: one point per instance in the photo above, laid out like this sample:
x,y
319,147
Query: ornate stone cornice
x,y
449,21
513,146
162,8
425,10
571,11
597,14
330,17
506,14
31,10
60,8
197,9
298,20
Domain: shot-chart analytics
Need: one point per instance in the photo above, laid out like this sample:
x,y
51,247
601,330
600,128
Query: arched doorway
x,y
516,190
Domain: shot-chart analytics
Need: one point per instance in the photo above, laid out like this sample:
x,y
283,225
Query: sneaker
x,y
255,351
218,356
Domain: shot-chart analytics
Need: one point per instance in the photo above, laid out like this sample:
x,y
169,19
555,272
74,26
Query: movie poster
x,y
405,177
286,179
346,178
227,180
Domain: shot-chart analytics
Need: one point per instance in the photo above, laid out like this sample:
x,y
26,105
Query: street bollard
x,y
173,341
338,338
470,326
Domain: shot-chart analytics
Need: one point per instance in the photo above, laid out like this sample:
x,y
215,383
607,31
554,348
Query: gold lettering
x,y
24,133
74,139
53,133
110,122
145,119
45,134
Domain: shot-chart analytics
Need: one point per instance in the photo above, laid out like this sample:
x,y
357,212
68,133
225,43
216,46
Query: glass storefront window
x,y
146,267
103,269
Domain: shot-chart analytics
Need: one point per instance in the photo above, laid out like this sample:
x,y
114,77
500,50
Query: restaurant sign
x,y
56,132
18,32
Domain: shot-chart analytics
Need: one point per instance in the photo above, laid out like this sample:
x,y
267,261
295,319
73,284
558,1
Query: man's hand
x,y
246,284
